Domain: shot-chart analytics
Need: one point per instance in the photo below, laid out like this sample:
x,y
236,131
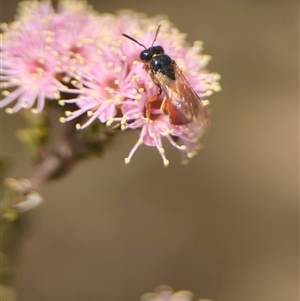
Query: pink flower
x,y
166,293
82,53
77,35
29,63
116,88
155,129
39,48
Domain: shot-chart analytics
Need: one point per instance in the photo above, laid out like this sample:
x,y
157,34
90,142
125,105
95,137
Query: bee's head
x,y
147,54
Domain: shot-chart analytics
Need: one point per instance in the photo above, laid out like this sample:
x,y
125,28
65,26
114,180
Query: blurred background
x,y
226,225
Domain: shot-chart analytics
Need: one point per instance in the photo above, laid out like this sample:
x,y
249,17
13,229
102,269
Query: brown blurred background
x,y
226,225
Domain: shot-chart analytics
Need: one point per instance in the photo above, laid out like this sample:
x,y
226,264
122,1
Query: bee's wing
x,y
182,104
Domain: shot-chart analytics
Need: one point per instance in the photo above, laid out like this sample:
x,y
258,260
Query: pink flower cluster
x,y
77,51
166,293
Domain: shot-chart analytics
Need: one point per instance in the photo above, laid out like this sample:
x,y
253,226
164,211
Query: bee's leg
x,y
164,106
148,104
150,100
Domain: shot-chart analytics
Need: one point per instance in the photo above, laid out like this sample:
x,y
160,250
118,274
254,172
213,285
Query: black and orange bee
x,y
181,103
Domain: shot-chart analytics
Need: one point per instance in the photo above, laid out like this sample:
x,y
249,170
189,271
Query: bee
x,y
181,103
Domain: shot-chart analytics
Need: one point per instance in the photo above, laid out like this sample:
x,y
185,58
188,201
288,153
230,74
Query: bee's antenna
x,y
132,39
156,34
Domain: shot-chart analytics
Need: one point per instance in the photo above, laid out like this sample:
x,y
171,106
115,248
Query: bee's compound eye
x,y
145,56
